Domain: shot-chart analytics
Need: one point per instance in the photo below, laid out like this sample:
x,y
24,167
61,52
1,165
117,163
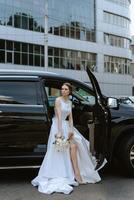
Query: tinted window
x,y
53,90
18,92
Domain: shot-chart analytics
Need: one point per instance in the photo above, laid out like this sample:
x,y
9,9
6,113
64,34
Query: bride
x,y
63,169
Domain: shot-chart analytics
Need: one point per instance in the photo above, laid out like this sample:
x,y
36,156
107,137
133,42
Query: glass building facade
x,y
117,41
67,19
24,14
69,22
117,20
21,53
124,3
116,65
73,22
70,59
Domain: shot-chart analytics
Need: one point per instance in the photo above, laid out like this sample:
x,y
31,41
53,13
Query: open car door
x,y
101,122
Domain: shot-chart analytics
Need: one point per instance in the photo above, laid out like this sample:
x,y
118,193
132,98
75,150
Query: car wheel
x,y
126,154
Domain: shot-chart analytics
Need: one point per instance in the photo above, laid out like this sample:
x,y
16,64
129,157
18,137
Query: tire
x,y
126,155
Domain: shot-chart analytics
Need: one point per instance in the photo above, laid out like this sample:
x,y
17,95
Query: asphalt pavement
x,y
15,185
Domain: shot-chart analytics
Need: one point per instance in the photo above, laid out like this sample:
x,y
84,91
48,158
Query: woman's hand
x,y
70,136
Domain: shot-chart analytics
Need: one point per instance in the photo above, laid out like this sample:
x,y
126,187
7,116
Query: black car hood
x,y
123,111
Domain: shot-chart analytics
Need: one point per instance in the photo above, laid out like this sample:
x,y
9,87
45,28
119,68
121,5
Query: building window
x,y
72,21
2,56
132,49
21,53
77,22
70,59
125,3
117,20
116,65
33,55
117,41
28,15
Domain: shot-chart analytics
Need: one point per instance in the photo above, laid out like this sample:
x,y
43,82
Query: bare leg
x,y
73,153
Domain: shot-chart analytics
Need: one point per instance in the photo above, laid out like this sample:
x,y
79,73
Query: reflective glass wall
x,y
25,14
68,18
21,53
70,59
124,3
72,18
116,65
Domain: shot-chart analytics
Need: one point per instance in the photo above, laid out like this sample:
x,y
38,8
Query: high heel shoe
x,y
78,179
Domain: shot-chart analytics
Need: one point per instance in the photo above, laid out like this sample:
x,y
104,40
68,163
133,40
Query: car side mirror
x,y
112,103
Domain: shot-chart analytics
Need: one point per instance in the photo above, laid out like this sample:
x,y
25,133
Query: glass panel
x,y
50,51
56,52
17,21
9,13
37,49
19,92
9,57
85,95
42,61
24,59
10,21
77,33
17,46
77,64
16,58
2,56
71,18
31,23
24,47
50,62
37,60
2,44
24,22
2,14
56,62
42,50
30,48
30,59
9,45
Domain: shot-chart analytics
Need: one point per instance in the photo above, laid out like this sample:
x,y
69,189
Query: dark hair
x,y
69,86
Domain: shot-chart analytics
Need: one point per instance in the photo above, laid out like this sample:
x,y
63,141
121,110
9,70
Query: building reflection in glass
x,y
73,19
23,14
21,53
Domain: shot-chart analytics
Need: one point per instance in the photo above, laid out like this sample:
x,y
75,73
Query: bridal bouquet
x,y
61,144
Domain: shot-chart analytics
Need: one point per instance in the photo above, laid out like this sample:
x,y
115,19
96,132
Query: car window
x,y
15,92
84,95
81,94
52,94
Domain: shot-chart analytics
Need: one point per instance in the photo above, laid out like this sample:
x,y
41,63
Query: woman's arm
x,y
58,114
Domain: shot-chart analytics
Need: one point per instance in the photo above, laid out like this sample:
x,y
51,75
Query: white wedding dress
x,y
56,172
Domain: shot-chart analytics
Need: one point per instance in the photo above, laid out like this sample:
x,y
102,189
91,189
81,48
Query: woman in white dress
x,y
61,170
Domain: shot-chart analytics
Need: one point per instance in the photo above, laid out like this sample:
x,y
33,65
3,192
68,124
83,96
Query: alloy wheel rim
x,y
132,156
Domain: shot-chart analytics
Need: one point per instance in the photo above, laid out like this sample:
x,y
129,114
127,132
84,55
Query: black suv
x,y
27,107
